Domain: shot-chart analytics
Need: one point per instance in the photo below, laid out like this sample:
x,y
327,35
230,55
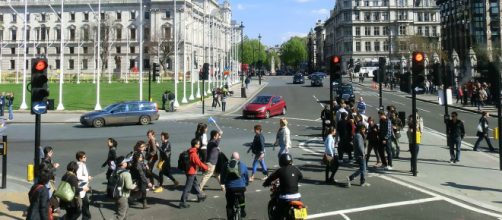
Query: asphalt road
x,y
384,199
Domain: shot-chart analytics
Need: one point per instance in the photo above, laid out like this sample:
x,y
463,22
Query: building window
x,y
403,16
145,49
402,45
72,50
367,16
1,18
402,30
146,34
358,31
367,31
386,31
427,33
385,16
401,3
356,15
347,46
346,16
366,3
133,15
103,16
133,33
58,64
386,46
434,32
14,18
385,2
376,16
346,4
146,63
376,31
375,3
85,64
119,15
71,64
420,16
85,50
58,34
72,16
132,49
13,34
58,50
86,16
118,49
44,17
419,31
377,46
358,2
72,34
12,64
13,50
119,33
39,50
367,46
86,34
147,15
427,17
358,46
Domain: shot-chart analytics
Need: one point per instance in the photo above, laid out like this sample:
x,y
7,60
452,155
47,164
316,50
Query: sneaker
x,y
348,182
475,149
202,198
158,190
456,161
388,168
265,177
243,213
176,183
451,161
365,184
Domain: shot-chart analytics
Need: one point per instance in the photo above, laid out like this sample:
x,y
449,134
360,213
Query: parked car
x,y
321,74
298,79
345,91
265,106
316,81
133,112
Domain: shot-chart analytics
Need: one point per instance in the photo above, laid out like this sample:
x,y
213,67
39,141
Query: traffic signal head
x,y
335,67
205,72
156,71
418,63
381,69
39,89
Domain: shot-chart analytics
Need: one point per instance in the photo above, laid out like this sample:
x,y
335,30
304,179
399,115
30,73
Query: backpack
x,y
233,170
113,190
184,161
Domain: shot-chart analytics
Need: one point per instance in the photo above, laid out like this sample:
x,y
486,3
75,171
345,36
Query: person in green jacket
x,y
126,184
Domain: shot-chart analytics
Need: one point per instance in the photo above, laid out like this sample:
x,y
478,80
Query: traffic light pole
x,y
499,110
446,114
150,85
38,119
414,145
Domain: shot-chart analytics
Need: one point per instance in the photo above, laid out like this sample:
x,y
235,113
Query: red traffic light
x,y
418,57
41,65
336,59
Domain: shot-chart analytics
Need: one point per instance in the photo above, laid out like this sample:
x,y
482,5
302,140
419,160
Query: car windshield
x,y
346,89
261,100
315,77
110,107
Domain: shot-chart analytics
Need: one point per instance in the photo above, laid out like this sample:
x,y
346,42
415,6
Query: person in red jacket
x,y
192,185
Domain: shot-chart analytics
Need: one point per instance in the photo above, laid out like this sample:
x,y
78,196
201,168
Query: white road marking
x,y
454,202
399,103
258,190
424,110
216,197
302,119
345,217
373,207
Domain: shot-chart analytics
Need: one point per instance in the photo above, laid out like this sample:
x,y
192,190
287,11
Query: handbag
x,y
65,191
326,159
160,164
480,128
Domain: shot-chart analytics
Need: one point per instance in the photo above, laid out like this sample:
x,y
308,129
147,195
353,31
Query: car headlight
x,y
86,118
261,109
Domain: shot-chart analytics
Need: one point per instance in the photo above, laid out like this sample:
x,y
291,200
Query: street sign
x,y
419,89
39,107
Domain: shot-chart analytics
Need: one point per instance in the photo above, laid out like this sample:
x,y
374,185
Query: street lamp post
x,y
243,89
259,57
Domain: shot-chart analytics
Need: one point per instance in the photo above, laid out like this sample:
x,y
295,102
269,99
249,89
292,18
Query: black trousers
x,y
165,171
231,194
86,214
333,167
374,147
414,148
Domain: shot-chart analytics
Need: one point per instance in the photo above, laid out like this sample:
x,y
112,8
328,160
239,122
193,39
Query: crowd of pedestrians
x,y
6,104
130,178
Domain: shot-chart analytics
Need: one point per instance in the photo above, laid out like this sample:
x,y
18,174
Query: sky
x,y
278,20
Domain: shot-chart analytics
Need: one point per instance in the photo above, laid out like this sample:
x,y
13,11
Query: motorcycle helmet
x,y
285,159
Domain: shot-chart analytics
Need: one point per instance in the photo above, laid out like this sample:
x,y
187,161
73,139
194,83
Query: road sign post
x,y
418,67
3,151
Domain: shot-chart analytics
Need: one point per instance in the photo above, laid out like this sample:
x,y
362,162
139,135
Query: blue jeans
x,y
388,149
262,164
488,141
455,142
361,171
282,150
11,113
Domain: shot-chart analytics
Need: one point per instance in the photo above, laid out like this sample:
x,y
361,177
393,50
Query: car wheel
x,y
98,122
284,111
267,114
144,120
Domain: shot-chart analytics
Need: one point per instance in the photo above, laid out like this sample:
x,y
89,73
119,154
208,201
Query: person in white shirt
x,y
283,137
330,157
83,183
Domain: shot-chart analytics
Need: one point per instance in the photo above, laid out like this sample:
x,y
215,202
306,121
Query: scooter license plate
x,y
301,213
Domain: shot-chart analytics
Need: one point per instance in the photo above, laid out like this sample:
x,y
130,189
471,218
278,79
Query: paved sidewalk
x,y
433,98
14,200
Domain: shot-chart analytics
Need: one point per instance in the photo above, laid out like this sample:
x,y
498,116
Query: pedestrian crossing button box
x,y
3,148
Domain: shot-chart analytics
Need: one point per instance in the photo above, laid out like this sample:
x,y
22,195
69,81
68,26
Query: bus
x,y
367,68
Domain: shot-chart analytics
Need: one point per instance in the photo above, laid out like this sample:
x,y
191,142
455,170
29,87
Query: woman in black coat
x,y
74,207
483,132
39,199
138,173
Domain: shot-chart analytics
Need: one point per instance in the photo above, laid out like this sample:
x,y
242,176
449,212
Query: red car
x,y
265,106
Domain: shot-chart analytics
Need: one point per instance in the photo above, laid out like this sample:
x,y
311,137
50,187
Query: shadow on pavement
x,y
462,186
15,207
2,215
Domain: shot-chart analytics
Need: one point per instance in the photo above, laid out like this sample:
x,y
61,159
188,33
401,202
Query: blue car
x,y
133,112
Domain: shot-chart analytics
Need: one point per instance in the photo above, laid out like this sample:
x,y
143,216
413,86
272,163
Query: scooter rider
x,y
288,176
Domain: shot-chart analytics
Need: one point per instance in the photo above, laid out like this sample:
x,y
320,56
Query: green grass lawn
x,y
83,96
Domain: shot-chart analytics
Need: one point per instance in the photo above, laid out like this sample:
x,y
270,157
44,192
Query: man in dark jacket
x,y
213,153
191,184
455,133
39,198
165,155
326,116
360,157
385,136
483,132
235,186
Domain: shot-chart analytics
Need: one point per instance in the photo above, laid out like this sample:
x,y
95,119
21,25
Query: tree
x,y
294,52
254,51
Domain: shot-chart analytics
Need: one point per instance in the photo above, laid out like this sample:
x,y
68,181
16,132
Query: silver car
x,y
133,112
